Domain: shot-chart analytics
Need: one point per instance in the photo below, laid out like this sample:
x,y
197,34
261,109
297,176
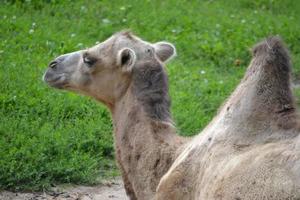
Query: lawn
x,y
50,137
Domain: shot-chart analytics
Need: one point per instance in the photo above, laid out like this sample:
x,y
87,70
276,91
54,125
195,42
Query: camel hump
x,y
264,96
272,51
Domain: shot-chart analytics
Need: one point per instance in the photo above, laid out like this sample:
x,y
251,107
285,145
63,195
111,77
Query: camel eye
x,y
89,61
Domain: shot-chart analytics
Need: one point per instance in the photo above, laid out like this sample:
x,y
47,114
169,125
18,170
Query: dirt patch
x,y
109,190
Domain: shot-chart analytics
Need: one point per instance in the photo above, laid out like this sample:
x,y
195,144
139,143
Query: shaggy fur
x,y
150,85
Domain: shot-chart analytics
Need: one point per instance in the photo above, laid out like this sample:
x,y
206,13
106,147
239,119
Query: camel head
x,y
104,71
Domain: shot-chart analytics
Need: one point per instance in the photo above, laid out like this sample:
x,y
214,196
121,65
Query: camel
x,y
127,75
249,151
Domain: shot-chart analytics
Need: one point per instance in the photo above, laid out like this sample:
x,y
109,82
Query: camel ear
x,y
165,51
126,59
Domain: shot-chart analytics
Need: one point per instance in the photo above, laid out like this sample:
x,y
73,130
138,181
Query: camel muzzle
x,y
60,70
55,76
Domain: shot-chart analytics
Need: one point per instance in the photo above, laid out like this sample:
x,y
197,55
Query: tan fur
x,y
249,151
251,148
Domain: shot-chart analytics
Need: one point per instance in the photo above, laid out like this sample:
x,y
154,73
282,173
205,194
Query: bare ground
x,y
109,190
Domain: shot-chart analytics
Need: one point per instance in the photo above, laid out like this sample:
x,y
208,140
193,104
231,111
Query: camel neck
x,y
145,147
145,140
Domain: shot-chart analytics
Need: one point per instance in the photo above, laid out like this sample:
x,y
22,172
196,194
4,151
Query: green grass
x,y
51,137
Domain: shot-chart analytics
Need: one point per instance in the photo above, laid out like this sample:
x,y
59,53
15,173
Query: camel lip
x,y
55,80
52,80
60,84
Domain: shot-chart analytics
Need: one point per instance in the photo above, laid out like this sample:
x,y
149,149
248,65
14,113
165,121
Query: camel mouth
x,y
55,80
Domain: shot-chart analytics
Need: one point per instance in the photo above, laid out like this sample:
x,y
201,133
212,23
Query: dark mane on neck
x,y
150,86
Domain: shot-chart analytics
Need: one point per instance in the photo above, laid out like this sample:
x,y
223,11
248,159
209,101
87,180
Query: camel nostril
x,y
53,64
